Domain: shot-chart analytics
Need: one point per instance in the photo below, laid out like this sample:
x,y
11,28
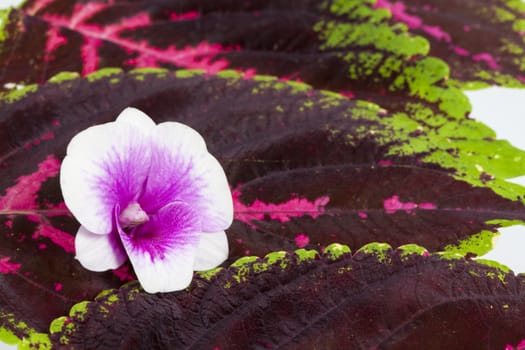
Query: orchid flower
x,y
149,192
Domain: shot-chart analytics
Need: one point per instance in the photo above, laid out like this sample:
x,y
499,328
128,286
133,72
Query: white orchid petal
x,y
162,250
170,274
211,251
105,165
98,252
182,169
166,194
136,117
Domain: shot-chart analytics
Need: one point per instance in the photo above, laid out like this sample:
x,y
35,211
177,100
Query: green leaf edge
x,y
240,268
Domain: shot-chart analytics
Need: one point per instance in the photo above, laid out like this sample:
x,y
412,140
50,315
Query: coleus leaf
x,y
378,298
306,167
350,47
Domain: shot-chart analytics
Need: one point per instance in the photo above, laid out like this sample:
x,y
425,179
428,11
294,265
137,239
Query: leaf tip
x,y
209,274
379,250
188,73
103,73
411,249
63,76
140,73
335,251
306,255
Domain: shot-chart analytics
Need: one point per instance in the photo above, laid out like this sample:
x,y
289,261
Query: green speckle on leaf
x,y
103,310
31,339
454,102
104,293
344,269
411,249
464,146
298,86
103,73
229,74
8,337
468,85
36,340
512,48
79,310
494,76
505,223
64,340
330,99
368,107
502,15
421,80
134,289
335,251
306,255
4,19
279,85
18,93
494,264
243,266
519,26
265,78
517,5
277,257
390,67
112,298
424,114
260,266
207,275
270,260
190,73
474,273
383,36
240,276
479,244
501,270
348,7
401,124
379,250
141,73
243,261
63,76
58,324
450,255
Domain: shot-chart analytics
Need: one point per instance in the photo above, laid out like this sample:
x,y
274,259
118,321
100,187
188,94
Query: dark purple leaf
x,y
352,48
304,167
376,299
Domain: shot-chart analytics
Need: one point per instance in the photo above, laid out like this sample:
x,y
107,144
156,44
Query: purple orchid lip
x,y
150,193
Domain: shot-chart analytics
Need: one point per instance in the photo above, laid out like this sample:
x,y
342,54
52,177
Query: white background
x,y
503,110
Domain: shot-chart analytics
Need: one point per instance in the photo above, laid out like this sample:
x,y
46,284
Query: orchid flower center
x,y
132,216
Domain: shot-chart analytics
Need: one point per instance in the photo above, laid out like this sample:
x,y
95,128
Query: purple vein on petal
x,y
175,227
